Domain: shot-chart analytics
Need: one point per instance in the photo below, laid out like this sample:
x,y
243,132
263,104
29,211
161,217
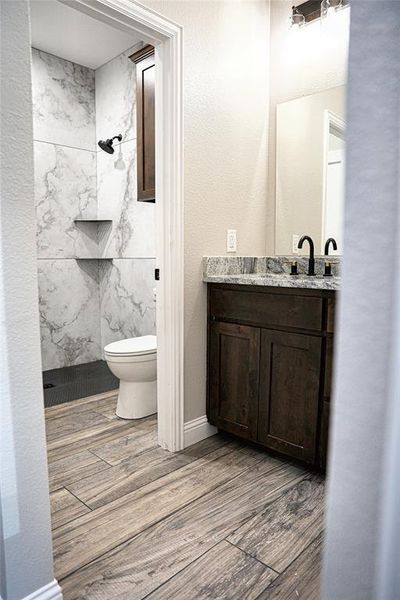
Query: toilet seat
x,y
139,346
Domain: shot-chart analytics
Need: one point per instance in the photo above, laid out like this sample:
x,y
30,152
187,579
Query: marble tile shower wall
x,y
65,188
86,304
127,306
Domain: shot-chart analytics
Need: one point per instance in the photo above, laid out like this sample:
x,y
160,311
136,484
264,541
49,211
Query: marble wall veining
x,y
127,306
65,188
63,102
115,83
133,223
69,313
86,304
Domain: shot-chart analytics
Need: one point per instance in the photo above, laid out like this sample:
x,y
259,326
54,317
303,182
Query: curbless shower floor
x,y
79,381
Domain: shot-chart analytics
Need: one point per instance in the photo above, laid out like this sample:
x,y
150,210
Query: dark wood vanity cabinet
x,y
288,393
234,378
145,123
269,367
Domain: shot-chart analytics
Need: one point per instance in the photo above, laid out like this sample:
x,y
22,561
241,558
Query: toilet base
x,y
136,399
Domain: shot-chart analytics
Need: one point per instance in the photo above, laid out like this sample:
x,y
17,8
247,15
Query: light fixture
x,y
326,8
312,10
339,4
330,6
297,19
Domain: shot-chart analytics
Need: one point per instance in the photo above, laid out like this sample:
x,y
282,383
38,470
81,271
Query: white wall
x,y
225,137
24,505
302,62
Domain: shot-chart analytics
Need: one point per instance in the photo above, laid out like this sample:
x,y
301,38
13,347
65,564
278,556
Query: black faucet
x,y
330,241
311,261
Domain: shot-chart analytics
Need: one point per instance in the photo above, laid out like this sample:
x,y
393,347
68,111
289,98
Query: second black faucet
x,y
311,260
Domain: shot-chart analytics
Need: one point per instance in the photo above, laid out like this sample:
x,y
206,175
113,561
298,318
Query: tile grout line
x,y
77,497
92,431
89,258
281,575
112,430
93,150
53,529
99,458
153,480
301,553
251,556
181,570
157,522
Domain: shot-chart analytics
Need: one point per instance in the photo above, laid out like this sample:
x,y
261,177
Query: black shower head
x,y
107,145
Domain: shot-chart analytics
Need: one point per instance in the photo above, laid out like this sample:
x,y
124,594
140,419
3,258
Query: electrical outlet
x,y
231,240
295,241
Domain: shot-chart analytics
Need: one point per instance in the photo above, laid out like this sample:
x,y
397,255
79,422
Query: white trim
x,y
197,430
166,36
50,591
332,122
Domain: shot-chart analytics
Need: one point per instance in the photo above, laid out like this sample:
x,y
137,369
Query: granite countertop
x,y
269,271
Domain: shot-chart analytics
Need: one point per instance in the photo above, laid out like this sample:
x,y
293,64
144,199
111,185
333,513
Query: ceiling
x,y
68,33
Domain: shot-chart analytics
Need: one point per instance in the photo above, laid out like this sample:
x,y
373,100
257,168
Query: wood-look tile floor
x,y
219,520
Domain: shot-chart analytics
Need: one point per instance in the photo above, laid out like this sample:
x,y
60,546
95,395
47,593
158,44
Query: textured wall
x,y
226,129
225,153
25,545
302,62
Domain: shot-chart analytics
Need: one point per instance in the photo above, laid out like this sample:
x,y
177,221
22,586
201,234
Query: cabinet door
x,y
234,378
145,123
290,366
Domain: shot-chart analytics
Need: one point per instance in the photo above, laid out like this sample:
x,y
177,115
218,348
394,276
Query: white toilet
x,y
134,362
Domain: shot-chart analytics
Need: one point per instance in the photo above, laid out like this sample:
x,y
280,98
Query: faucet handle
x,y
293,268
328,269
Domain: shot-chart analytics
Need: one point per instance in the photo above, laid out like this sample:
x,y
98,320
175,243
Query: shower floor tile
x,y
79,381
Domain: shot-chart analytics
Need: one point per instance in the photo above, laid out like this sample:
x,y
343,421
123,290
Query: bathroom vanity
x,y
270,347
271,319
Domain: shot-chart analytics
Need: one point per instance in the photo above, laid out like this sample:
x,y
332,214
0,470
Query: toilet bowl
x,y
134,362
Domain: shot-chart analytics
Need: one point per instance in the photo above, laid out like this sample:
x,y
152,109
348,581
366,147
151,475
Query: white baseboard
x,y
51,591
197,430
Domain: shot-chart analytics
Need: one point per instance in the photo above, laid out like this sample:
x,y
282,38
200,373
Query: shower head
x,y
107,145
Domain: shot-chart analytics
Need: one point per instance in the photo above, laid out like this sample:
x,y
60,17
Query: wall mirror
x,y
310,155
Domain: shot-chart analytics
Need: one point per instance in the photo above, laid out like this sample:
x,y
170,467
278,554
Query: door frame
x,y
332,123
167,38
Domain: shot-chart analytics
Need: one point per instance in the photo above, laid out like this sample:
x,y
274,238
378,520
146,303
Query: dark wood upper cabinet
x,y
234,363
290,366
145,123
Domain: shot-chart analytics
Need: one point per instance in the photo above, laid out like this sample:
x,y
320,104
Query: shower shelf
x,y
96,233
95,221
